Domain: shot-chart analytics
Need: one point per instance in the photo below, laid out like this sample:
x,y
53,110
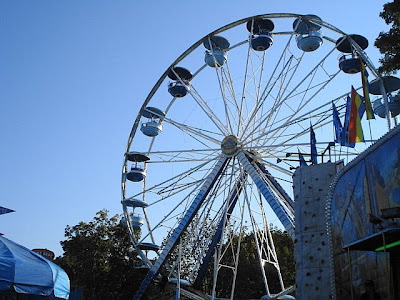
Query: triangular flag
x,y
302,160
365,84
4,210
337,124
313,145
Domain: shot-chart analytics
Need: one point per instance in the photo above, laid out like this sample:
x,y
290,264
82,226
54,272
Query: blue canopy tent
x,y
23,271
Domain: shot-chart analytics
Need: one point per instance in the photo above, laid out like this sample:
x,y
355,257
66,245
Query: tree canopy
x,y
98,256
388,43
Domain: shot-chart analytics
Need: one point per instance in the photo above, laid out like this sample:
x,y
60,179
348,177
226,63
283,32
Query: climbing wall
x,y
311,187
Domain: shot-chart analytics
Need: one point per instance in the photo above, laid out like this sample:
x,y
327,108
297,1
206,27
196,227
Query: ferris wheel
x,y
212,151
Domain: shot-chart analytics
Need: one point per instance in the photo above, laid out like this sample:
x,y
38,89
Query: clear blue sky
x,y
73,75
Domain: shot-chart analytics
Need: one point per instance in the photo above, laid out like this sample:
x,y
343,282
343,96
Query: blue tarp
x,y
24,271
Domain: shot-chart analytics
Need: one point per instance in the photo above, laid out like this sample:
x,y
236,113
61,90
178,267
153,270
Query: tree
x,y
388,43
98,256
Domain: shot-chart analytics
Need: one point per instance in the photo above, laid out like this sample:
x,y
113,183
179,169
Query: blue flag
x,y
313,144
302,160
345,132
361,109
337,124
4,210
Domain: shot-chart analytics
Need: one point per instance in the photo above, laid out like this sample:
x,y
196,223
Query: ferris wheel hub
x,y
230,145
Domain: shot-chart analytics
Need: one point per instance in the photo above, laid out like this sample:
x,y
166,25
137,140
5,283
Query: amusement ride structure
x,y
213,149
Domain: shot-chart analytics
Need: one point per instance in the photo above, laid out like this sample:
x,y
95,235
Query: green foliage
x,y
388,43
99,257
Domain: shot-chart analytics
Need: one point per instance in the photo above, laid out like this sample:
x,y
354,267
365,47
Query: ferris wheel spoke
x,y
176,156
278,104
323,85
250,78
208,111
176,187
291,120
192,131
183,204
226,86
169,215
282,75
243,98
284,86
273,116
256,78
285,119
269,85
309,75
175,179
304,131
292,71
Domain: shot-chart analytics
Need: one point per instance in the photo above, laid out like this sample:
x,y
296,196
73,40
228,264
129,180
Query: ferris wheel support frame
x,y
189,215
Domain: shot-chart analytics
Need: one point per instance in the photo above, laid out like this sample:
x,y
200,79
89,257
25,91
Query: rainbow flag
x,y
356,134
367,100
